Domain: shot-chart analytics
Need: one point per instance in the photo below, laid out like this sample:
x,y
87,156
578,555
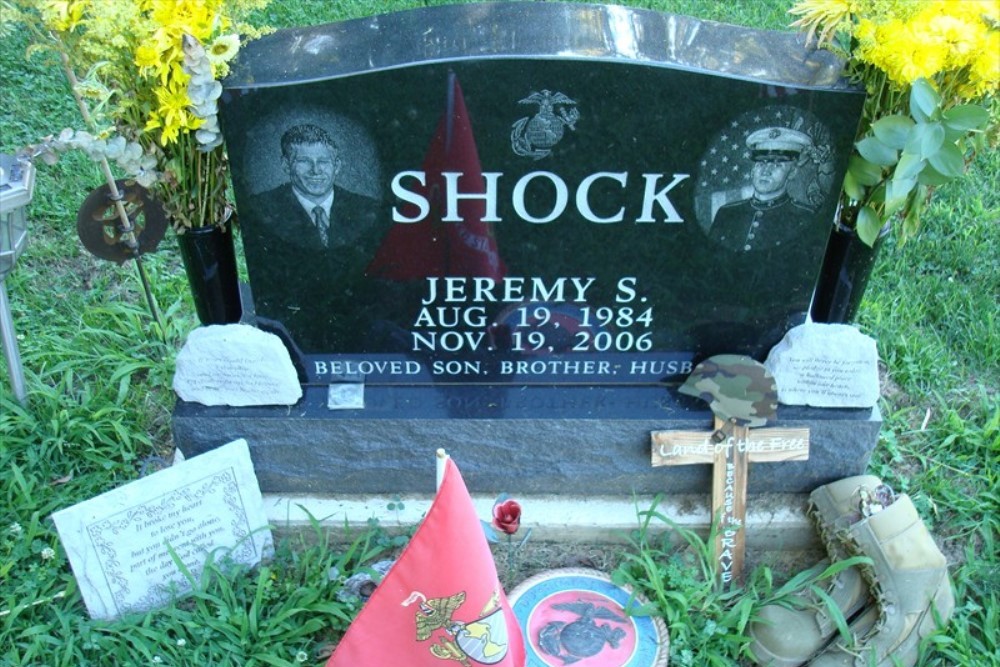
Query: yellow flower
x,y
147,56
972,10
63,16
984,69
827,16
906,51
172,110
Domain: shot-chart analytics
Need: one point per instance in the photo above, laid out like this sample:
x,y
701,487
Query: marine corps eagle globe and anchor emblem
x,y
535,136
481,641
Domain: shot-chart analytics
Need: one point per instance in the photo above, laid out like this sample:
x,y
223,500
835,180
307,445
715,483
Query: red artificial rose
x,y
507,516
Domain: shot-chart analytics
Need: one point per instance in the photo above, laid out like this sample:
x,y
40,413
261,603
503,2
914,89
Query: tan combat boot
x,y
909,578
843,652
835,507
788,637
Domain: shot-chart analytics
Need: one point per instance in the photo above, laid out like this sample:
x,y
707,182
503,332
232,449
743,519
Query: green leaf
x,y
931,176
909,166
896,194
489,532
893,131
864,172
924,100
949,161
878,194
854,190
925,140
966,117
875,151
911,223
869,225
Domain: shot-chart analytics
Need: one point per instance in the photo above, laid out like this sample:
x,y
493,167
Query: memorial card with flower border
x,y
129,548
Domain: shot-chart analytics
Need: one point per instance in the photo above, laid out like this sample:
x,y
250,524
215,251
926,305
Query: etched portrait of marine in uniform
x,y
763,180
770,216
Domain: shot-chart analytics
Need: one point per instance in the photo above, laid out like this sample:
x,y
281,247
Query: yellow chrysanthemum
x,y
905,51
865,31
825,17
984,69
970,10
185,16
147,56
172,110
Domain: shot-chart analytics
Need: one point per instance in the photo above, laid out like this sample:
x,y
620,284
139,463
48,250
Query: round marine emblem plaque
x,y
577,616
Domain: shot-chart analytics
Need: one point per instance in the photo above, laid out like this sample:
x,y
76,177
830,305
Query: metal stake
x,y
14,368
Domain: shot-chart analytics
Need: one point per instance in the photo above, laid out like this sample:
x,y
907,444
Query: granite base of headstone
x,y
540,440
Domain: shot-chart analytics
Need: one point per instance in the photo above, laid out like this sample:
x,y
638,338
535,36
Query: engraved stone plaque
x,y
122,544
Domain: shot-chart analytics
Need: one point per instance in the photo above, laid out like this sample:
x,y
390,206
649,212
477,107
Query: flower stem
x,y
126,227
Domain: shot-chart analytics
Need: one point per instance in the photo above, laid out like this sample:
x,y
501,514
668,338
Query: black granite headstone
x,y
529,193
541,212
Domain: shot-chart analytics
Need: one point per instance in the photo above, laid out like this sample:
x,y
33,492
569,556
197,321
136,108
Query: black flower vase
x,y
844,275
210,263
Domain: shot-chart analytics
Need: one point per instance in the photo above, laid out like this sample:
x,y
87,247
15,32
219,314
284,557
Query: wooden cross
x,y
730,459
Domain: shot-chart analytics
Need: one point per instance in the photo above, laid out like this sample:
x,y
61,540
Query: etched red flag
x,y
456,242
441,601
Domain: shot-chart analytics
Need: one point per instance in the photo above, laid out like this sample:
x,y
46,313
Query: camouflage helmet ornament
x,y
738,389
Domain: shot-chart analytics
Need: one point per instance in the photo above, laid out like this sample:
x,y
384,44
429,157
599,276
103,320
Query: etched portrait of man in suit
x,y
311,210
308,241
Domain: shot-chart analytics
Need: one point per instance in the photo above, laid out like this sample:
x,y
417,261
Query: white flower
x,y
211,124
205,110
223,48
15,528
193,50
48,553
81,138
182,642
201,76
301,656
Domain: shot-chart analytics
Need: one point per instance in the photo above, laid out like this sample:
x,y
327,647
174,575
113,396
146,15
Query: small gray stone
x,y
235,365
361,585
825,366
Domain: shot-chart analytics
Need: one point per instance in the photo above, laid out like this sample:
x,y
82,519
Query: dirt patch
x,y
534,558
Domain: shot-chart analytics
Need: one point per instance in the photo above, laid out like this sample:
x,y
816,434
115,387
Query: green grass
x,y
98,373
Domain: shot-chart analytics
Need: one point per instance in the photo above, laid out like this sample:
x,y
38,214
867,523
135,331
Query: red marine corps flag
x,y
441,601
431,245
